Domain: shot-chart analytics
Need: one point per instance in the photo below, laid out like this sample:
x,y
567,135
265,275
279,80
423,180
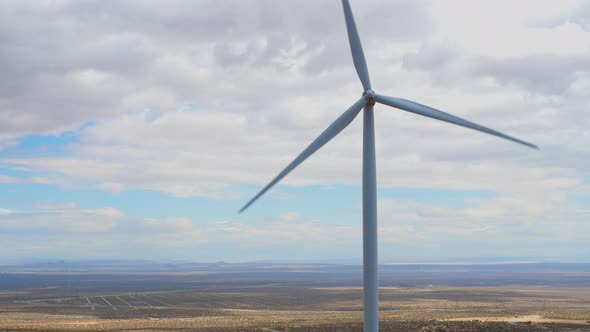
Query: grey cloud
x,y
155,54
579,15
101,58
430,57
582,16
444,64
544,74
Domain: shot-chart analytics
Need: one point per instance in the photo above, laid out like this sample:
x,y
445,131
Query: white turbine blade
x,y
430,112
358,57
336,127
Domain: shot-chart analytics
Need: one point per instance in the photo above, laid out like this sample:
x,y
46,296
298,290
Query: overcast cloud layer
x,y
199,98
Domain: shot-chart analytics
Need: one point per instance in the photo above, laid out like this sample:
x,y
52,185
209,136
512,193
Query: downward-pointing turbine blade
x,y
336,127
430,112
358,57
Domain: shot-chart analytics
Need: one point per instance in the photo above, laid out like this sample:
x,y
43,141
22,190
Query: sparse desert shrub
x,y
436,328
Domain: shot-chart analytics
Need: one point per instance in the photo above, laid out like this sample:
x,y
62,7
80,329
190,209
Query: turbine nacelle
x,y
370,96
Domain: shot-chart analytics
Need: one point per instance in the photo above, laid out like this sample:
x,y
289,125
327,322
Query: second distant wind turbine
x,y
367,101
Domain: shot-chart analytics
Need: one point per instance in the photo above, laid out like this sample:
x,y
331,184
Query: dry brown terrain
x,y
289,308
251,297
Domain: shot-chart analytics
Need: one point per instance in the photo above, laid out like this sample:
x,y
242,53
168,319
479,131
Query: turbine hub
x,y
369,96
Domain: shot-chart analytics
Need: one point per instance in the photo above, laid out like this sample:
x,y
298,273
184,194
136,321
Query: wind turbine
x,y
367,101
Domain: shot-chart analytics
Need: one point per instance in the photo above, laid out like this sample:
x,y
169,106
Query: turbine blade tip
x,y
530,145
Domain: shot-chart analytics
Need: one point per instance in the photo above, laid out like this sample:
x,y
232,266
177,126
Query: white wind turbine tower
x,y
367,101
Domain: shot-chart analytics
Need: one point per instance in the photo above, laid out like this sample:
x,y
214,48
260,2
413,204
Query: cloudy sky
x,y
137,129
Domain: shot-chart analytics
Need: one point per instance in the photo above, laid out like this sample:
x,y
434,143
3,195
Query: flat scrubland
x,y
245,299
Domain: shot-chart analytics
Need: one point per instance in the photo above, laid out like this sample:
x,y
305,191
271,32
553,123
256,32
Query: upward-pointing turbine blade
x,y
336,127
430,112
358,57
